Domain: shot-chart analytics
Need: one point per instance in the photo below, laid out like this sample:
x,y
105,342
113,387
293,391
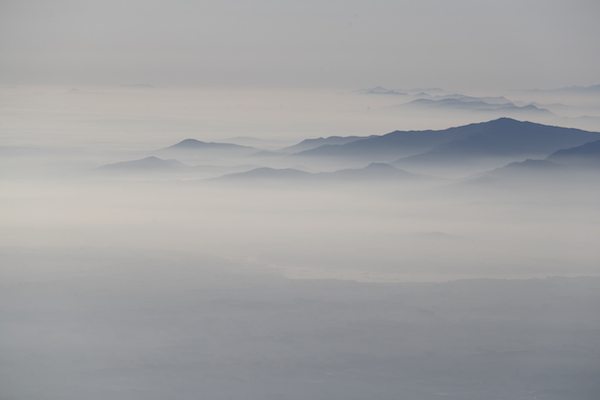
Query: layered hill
x,y
309,144
154,166
374,172
586,155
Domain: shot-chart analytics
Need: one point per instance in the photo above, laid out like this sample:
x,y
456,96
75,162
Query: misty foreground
x,y
118,324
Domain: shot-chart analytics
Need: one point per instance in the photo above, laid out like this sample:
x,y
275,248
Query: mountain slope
x,y
594,89
587,155
472,104
505,139
390,146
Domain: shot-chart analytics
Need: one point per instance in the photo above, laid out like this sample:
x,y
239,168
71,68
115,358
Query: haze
x,y
277,200
458,45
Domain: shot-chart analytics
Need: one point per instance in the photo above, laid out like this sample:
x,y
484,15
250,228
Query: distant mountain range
x,y
465,98
465,103
508,145
382,90
594,89
401,92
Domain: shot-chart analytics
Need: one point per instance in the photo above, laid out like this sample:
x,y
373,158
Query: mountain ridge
x,y
399,144
502,138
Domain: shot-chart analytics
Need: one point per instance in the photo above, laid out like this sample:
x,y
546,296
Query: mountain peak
x,y
193,144
504,120
190,143
148,163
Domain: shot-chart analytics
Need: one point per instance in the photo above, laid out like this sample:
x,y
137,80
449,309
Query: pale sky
x,y
455,44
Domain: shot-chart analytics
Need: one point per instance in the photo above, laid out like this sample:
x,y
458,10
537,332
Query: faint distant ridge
x,y
382,90
265,174
594,89
398,92
146,164
473,104
465,98
371,173
193,144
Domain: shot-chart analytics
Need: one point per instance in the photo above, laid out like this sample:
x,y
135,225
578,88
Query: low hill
x,y
374,172
189,147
